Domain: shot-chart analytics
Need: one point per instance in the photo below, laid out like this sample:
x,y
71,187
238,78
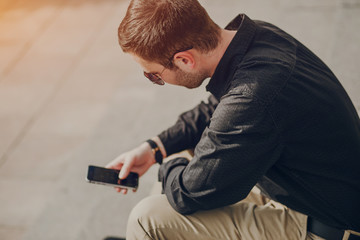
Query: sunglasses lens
x,y
154,78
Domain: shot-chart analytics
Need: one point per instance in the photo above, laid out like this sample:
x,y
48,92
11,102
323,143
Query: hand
x,y
138,160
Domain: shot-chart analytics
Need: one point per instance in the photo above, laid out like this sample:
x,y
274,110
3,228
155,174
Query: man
x,y
277,118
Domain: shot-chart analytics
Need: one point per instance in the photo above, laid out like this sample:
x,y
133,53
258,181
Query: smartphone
x,y
110,177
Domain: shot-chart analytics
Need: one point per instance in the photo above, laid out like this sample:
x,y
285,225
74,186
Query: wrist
x,y
147,152
160,145
157,154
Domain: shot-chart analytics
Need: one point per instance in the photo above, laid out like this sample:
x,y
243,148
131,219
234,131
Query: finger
x,y
124,191
116,163
124,172
118,189
111,164
134,190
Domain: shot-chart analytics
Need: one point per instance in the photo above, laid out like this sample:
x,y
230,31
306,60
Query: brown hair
x,y
156,29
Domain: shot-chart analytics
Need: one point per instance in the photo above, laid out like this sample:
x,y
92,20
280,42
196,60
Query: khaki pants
x,y
253,218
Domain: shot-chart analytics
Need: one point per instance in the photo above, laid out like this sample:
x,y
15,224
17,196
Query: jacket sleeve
x,y
186,132
236,149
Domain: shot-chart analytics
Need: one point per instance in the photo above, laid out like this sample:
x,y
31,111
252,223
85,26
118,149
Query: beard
x,y
190,80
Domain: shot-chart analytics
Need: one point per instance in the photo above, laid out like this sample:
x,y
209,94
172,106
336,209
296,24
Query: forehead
x,y
146,65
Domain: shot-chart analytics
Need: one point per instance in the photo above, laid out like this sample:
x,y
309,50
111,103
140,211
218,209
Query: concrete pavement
x,y
69,97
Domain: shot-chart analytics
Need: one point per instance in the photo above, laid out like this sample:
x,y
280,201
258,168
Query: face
x,y
174,76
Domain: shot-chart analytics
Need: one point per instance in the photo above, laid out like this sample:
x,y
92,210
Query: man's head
x,y
156,31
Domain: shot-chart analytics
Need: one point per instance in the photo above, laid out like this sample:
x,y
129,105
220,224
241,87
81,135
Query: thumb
x,y
125,170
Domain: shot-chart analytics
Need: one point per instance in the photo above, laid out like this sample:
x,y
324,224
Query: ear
x,y
185,60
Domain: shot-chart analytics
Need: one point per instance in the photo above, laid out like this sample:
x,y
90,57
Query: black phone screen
x,y
111,177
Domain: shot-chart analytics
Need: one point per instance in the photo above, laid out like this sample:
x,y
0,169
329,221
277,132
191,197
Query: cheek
x,y
171,78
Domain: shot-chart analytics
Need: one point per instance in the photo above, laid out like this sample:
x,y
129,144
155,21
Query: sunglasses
x,y
155,78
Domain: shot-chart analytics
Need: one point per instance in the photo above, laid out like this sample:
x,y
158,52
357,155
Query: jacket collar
x,y
220,81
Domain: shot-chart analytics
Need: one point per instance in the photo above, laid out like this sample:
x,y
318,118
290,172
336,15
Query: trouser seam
x,y
170,228
146,232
